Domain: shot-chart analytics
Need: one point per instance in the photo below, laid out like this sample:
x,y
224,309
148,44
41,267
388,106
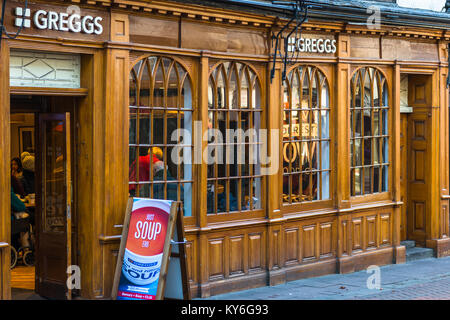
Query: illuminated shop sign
x,y
59,21
312,45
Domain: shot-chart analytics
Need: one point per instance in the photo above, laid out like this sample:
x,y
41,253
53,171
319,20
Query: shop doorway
x,y
415,150
51,223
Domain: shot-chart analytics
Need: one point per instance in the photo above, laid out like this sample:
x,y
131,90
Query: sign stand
x,y
172,280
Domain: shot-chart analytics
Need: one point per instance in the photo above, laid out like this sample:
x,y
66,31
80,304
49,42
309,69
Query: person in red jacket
x,y
144,168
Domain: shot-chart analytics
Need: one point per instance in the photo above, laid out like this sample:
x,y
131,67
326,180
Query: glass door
x,y
54,206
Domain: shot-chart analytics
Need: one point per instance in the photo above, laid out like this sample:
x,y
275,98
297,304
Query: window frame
x,y
384,195
217,216
176,63
318,206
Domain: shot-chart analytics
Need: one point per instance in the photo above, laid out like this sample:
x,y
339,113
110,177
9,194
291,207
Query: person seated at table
x,y
18,211
17,179
28,172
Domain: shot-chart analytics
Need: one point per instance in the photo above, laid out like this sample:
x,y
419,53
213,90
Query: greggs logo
x,y
62,21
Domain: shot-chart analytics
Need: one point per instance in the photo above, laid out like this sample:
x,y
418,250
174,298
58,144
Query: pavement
x,y
427,279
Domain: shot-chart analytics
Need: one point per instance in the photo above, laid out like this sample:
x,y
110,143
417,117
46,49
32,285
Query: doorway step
x,y
416,253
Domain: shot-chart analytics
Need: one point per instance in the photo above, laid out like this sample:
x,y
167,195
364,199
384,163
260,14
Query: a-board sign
x,y
148,251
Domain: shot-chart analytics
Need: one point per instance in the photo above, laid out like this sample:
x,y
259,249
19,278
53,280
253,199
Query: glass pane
x,y
367,151
325,155
54,197
358,152
367,91
313,131
376,122
144,88
307,187
357,182
256,94
133,93
367,180
159,190
325,134
144,127
358,93
314,155
245,194
172,191
158,91
133,164
385,179
314,184
376,151
376,179
305,92
325,187
233,195
385,94
158,127
325,100
144,190
376,94
385,150
211,96
315,91
233,91
358,123
186,196
186,95
132,130
385,121
295,91
367,123
256,193
172,90
245,91
211,198
220,82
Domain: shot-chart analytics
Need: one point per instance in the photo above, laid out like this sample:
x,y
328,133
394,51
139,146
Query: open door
x,y
54,202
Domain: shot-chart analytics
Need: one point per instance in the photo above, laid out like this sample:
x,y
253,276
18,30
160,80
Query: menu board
x,y
148,230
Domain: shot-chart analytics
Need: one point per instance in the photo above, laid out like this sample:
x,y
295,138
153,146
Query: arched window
x,y
234,172
306,136
160,103
369,141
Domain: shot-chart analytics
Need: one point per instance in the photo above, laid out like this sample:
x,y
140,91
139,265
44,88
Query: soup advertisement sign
x,y
144,247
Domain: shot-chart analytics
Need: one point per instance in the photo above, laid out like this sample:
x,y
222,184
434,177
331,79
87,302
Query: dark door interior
x,y
55,168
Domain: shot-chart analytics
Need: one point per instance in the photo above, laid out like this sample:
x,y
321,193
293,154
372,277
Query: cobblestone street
x,y
427,279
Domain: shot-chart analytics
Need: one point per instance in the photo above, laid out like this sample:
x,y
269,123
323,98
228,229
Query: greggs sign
x,y
59,21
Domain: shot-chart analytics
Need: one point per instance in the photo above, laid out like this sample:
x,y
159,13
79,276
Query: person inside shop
x,y
144,168
158,175
28,172
18,212
17,178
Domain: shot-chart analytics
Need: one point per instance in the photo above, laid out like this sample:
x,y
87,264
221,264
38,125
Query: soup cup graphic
x,y
145,244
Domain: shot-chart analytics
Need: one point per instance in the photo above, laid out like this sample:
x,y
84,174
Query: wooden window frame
x,y
169,66
311,205
240,69
383,84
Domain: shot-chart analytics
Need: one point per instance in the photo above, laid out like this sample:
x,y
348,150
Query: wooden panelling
x,y
371,231
357,234
236,255
255,251
419,215
309,242
216,259
191,261
385,230
326,240
291,245
365,47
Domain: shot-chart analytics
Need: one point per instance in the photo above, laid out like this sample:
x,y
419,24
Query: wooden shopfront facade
x,y
361,155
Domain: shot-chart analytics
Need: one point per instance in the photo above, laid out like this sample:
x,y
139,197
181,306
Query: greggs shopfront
x,y
94,93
